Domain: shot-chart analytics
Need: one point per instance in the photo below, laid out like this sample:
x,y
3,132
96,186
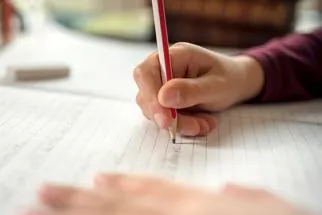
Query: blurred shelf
x,y
133,24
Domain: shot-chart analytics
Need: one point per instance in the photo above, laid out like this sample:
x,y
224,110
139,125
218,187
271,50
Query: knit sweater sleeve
x,y
292,67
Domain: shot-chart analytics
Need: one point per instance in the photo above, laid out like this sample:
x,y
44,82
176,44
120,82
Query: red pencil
x,y
164,56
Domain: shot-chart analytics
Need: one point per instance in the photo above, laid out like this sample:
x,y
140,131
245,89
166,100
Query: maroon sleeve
x,y
292,67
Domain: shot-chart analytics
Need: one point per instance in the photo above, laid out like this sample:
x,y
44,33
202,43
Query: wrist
x,y
251,77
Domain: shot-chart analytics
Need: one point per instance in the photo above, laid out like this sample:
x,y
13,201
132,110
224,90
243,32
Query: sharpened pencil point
x,y
174,141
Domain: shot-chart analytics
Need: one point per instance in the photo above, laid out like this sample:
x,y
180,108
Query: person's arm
x,y
292,67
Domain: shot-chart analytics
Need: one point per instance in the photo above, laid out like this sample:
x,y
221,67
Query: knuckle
x,y
117,180
150,64
153,60
137,73
197,89
154,56
201,89
139,100
181,44
127,183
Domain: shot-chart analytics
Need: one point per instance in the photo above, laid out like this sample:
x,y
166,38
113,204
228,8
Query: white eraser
x,y
36,72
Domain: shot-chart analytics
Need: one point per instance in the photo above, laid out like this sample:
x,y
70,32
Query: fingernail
x,y
174,98
159,119
189,131
50,192
100,180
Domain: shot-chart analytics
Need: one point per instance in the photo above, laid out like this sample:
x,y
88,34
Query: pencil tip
x,y
173,141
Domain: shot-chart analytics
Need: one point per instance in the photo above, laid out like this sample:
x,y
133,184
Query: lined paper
x,y
51,137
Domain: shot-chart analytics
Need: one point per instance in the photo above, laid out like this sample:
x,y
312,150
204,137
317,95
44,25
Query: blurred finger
x,y
186,93
237,190
147,77
62,198
156,191
186,60
155,112
130,184
70,211
209,118
195,125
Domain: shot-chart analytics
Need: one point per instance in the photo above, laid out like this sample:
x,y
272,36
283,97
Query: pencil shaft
x,y
164,55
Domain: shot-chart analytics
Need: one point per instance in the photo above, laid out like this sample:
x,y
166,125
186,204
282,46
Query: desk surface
x,y
100,67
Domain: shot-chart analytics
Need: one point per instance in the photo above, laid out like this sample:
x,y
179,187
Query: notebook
x,y
68,139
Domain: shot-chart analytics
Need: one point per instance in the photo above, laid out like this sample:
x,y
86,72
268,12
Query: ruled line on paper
x,y
68,139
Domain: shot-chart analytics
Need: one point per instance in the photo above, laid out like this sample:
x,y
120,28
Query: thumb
x,y
184,93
